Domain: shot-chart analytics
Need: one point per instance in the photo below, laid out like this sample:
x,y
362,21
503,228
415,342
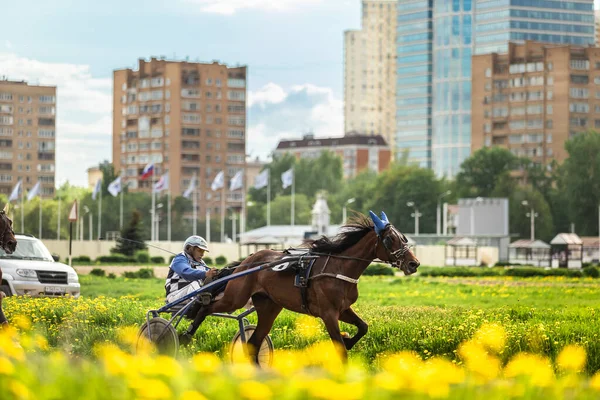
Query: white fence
x,y
428,255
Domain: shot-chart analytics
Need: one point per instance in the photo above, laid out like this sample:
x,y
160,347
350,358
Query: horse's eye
x,y
387,241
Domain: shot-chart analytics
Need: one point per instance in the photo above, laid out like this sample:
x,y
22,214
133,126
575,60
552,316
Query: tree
x,y
579,181
133,237
281,210
486,173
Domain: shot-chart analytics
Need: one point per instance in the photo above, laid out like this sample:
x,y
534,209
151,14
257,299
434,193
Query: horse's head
x,y
395,248
8,242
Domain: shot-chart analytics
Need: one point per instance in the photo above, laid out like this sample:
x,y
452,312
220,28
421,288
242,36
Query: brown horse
x,y
8,243
333,281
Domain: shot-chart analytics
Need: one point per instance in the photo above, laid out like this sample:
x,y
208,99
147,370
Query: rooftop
x,y
348,140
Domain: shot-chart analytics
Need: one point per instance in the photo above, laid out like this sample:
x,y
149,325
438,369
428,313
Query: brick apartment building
x,y
534,98
27,136
357,151
185,117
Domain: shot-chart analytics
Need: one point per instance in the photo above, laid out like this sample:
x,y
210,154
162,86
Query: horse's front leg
x,y
331,321
350,317
3,320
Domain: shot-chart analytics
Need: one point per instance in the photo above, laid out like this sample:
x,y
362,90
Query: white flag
x,y
237,182
97,189
115,187
261,180
162,184
34,191
190,188
14,195
218,182
287,178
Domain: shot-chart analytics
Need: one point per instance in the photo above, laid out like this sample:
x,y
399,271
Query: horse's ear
x,y
6,207
384,218
379,224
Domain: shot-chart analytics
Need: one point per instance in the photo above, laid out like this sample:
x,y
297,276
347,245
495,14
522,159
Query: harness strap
x,y
337,276
304,286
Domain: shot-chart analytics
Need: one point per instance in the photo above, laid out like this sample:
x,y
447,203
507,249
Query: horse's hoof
x,y
185,339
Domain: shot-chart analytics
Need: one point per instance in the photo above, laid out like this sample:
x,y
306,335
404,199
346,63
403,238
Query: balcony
x,y
49,156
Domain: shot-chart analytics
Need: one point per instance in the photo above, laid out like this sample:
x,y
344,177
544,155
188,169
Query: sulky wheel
x,y
265,353
162,334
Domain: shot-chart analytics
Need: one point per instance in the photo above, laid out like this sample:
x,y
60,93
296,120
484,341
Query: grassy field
x,y
431,316
497,337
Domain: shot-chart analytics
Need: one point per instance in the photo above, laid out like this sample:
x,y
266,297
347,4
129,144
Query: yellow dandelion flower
x,y
41,342
6,366
537,368
492,336
19,390
572,358
255,390
153,389
595,381
287,362
192,395
22,322
206,362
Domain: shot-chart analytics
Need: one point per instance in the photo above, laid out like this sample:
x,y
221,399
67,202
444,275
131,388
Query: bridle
x,y
396,256
6,229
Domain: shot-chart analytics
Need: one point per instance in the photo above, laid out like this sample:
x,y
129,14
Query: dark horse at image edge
x,y
8,243
332,287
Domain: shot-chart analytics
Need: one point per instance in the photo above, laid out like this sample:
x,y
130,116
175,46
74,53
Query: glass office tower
x,y
436,39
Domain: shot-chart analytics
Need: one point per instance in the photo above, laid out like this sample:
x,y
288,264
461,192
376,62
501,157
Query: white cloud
x,y
229,7
84,112
8,44
276,113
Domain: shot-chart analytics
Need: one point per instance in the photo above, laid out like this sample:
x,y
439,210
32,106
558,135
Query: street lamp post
x,y
438,227
476,201
349,201
416,215
157,222
532,216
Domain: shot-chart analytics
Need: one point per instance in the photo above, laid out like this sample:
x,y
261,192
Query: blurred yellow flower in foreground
x,y
572,358
537,368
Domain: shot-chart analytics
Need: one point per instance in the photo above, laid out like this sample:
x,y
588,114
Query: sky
x,y
293,50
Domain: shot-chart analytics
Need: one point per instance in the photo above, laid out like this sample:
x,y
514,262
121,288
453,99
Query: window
x,y
4,96
46,133
156,132
6,120
535,109
190,131
236,83
488,72
580,64
235,133
515,139
580,79
236,120
45,121
191,118
520,124
47,99
236,95
158,81
191,106
195,93
515,111
236,108
549,109
235,158
156,95
580,122
579,93
500,112
6,132
579,107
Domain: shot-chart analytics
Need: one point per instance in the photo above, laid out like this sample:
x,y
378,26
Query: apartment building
x,y
27,136
370,71
187,118
534,98
357,151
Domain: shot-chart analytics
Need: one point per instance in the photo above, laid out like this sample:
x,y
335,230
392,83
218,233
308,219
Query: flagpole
x,y
58,221
152,227
40,237
169,211
269,198
22,206
208,225
121,195
223,211
194,205
293,190
100,214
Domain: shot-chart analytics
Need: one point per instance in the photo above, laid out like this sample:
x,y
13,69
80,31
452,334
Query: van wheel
x,y
6,289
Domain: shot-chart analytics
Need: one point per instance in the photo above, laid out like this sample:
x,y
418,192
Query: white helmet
x,y
195,241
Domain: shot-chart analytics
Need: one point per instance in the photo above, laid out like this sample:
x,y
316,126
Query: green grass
x,y
429,315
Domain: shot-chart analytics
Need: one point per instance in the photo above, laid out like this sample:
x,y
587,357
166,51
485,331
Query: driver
x,y
188,271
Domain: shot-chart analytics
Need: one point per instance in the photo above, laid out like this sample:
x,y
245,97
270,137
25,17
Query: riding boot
x,y
186,337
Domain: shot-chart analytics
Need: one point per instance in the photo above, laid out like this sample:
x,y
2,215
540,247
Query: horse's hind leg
x,y
350,317
267,310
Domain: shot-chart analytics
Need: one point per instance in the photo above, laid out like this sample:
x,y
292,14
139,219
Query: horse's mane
x,y
349,235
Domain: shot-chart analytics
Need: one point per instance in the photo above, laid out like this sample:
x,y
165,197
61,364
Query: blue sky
x,y
293,49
